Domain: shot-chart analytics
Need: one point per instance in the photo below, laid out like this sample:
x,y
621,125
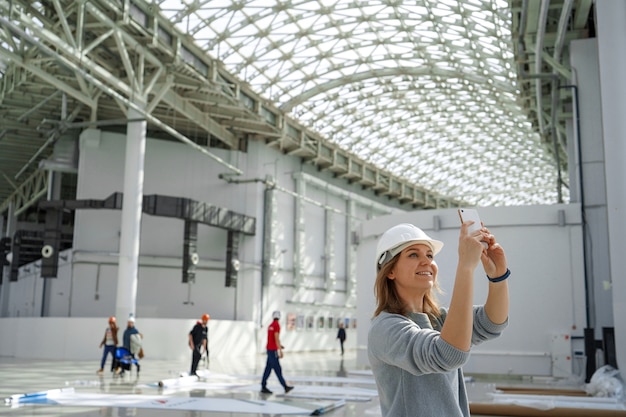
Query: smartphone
x,y
466,214
470,214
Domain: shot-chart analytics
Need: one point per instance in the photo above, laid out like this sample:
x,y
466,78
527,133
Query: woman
x,y
415,347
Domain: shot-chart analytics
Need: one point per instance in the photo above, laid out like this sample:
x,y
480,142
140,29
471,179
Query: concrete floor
x,y
28,376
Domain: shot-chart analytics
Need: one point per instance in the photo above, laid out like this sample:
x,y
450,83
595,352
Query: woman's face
x,y
415,271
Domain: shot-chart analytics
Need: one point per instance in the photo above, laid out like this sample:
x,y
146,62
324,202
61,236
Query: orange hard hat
x,y
205,317
111,319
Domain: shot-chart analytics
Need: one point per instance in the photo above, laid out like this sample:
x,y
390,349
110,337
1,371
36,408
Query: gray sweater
x,y
418,373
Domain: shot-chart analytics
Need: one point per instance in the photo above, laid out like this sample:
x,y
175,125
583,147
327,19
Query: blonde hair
x,y
387,298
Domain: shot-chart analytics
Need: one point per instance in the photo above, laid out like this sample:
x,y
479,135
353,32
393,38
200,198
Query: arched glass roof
x,y
425,89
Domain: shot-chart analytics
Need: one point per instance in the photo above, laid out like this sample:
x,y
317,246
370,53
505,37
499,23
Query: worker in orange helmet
x,y
199,342
109,342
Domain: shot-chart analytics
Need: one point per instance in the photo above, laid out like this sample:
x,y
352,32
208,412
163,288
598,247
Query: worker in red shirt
x,y
274,353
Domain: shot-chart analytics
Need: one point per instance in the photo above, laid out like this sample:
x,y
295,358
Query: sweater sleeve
x,y
484,328
412,345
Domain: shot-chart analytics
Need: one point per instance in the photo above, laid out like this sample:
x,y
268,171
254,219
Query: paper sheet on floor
x,y
161,402
549,402
304,387
316,392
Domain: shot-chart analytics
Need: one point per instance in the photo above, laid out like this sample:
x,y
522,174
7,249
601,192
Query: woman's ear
x,y
391,275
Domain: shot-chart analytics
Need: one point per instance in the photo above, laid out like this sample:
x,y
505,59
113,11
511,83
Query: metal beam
x,y
388,72
45,76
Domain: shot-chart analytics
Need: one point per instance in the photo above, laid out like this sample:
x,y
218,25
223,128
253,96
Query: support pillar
x,y
5,288
131,216
612,58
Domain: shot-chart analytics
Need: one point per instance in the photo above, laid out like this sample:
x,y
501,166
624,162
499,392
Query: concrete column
x,y
330,274
351,259
592,194
270,214
611,33
5,288
299,238
131,217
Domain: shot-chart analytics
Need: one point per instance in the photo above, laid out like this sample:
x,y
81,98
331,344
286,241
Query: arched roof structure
x,y
425,88
432,102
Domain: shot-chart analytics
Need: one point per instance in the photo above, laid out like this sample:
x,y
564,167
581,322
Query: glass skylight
x,y
425,89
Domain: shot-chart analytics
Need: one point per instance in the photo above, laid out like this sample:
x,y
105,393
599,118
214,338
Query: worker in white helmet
x,y
415,347
274,353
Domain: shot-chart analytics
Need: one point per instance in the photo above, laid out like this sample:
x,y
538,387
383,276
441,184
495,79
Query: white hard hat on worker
x,y
400,237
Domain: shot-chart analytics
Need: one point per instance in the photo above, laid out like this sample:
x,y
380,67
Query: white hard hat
x,y
276,314
400,237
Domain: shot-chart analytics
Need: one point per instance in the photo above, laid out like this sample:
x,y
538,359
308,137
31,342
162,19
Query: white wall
x,y
171,169
86,285
546,284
